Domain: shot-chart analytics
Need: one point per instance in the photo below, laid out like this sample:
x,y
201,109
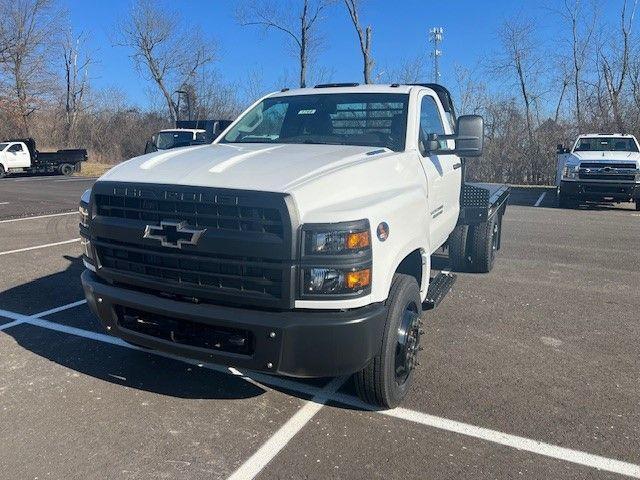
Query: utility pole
x,y
436,34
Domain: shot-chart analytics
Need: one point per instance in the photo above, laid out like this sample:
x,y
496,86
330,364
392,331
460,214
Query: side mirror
x,y
469,136
150,147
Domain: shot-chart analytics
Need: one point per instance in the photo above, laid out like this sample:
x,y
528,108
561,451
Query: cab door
x,y
17,156
443,172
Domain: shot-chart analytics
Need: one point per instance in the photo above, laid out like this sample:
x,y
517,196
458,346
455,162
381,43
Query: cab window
x,y
430,121
15,148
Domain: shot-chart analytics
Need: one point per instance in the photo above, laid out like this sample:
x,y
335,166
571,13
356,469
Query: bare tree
x,y
299,24
165,50
28,27
76,76
364,37
615,63
520,60
581,36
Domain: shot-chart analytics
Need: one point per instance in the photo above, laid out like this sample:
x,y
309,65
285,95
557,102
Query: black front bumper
x,y
294,343
599,191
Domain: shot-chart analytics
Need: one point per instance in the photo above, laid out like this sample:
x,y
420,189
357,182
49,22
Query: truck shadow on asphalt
x,y
126,367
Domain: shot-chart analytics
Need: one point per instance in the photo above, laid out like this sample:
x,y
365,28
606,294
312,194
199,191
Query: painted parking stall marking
x,y
321,396
38,247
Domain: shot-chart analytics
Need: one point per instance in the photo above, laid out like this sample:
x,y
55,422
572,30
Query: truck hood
x,y
274,168
605,157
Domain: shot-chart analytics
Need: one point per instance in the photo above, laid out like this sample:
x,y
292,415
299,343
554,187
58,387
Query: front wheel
x,y
2,172
637,204
565,202
385,381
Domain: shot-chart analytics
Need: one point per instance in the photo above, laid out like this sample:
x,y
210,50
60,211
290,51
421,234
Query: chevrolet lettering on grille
x,y
173,234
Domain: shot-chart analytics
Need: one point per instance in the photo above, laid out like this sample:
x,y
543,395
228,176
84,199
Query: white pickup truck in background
x,y
599,168
299,243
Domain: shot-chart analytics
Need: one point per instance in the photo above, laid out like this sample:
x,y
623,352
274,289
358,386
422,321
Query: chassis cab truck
x,y
21,155
299,243
599,168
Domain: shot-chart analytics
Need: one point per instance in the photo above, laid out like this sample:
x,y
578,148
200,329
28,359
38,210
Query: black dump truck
x,y
21,155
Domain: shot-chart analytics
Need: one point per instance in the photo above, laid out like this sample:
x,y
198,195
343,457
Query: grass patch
x,y
93,169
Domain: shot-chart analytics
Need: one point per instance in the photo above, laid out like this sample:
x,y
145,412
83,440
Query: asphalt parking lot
x,y
531,371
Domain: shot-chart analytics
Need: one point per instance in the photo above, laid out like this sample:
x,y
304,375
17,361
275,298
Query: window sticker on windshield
x,y
307,112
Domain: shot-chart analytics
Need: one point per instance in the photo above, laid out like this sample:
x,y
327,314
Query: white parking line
x,y
540,198
4,203
75,212
77,179
270,449
325,394
27,249
10,324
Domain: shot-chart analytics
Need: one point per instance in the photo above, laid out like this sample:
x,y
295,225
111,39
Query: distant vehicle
x,y
187,132
601,167
21,155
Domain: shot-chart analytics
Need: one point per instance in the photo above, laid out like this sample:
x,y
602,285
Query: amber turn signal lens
x,y
359,279
358,240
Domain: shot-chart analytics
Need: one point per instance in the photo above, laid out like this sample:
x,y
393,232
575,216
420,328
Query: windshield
x,y
606,144
369,119
3,146
173,139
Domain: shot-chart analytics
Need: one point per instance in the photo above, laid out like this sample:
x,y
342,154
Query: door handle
x,y
457,165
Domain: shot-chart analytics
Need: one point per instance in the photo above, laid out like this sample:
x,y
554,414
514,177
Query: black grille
x,y
216,273
605,176
211,211
605,164
244,255
186,332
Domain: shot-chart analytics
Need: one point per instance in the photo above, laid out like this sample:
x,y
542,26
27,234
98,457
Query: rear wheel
x,y
2,172
67,169
637,204
385,381
458,254
484,244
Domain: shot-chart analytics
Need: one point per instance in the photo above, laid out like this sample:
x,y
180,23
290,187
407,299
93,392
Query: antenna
x,y
436,34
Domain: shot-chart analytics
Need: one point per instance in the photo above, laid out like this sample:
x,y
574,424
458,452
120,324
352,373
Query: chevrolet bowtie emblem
x,y
173,234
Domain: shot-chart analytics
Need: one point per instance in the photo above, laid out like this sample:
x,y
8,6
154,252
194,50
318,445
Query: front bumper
x,y
293,343
598,191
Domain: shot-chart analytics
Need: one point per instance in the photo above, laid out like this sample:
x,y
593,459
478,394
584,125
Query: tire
x,y
565,202
67,169
458,249
385,381
2,172
637,202
484,245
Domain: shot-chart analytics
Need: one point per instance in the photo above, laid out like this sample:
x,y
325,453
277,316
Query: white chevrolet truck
x,y
299,243
600,167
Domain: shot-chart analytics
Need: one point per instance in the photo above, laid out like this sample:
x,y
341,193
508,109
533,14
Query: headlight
x,y
336,260
337,239
336,281
83,208
570,171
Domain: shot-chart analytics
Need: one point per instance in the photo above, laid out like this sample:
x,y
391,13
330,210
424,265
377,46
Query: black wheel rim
x,y
408,340
494,237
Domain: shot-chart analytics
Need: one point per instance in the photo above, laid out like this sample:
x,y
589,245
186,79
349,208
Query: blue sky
x,y
399,31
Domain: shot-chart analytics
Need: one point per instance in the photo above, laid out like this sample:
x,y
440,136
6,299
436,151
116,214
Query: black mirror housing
x,y
469,136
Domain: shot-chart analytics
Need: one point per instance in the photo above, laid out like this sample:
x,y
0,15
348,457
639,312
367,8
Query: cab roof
x,y
607,135
334,88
